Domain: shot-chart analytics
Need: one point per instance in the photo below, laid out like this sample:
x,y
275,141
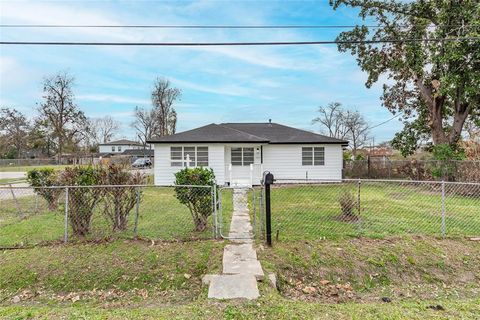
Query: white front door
x,y
241,158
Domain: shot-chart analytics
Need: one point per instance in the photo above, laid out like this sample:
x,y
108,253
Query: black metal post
x,y
268,214
268,180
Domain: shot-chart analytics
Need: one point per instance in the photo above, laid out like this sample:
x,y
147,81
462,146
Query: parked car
x,y
142,163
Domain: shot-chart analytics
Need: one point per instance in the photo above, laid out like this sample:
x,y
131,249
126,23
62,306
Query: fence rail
x,y
374,208
384,168
31,216
301,210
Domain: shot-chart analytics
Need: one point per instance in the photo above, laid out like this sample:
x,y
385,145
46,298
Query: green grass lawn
x,y
314,212
348,270
107,272
138,280
269,307
28,221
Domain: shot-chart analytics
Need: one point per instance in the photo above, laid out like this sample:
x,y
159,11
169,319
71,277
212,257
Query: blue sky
x,y
219,84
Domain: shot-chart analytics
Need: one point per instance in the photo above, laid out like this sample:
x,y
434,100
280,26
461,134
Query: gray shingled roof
x,y
121,142
272,133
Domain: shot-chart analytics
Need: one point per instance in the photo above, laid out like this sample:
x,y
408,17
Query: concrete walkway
x,y
241,269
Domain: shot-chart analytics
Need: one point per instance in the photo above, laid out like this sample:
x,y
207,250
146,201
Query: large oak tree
x,y
434,84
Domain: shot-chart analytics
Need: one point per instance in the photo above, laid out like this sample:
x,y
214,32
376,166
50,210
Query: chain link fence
x,y
424,170
32,216
372,208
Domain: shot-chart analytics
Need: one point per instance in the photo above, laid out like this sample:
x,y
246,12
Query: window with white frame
x,y
119,148
197,156
313,156
242,156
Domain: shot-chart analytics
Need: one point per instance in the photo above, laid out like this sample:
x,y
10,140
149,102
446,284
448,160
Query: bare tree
x,y
358,130
102,130
163,98
332,119
14,129
59,109
144,124
343,124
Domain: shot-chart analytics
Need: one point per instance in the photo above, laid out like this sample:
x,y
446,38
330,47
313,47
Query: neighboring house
x,y
118,146
135,154
239,153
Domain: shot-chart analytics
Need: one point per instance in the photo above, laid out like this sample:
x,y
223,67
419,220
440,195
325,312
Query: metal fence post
x,y
359,208
254,203
65,236
443,210
215,219
268,180
137,205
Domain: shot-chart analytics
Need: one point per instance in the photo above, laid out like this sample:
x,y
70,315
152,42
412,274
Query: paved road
x,y
7,193
12,175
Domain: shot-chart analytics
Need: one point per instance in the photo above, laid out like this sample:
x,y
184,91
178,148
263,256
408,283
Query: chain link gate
x,y
242,200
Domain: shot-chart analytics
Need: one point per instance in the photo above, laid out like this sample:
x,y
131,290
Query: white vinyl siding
x,y
165,173
285,162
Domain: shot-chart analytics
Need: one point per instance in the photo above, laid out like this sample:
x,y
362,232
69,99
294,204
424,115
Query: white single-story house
x,y
118,146
239,153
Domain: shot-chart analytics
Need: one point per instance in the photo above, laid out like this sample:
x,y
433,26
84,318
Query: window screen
x,y
247,156
176,156
198,156
307,156
236,155
313,156
202,156
318,156
242,156
190,152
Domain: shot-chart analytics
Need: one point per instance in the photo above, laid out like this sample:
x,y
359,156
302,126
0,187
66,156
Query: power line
x,y
384,122
154,26
198,44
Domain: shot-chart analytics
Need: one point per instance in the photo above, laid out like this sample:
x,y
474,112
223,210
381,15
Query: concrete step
x,y
239,251
242,259
249,267
236,286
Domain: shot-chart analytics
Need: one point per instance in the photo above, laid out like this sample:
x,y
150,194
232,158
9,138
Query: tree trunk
x,y
59,151
436,121
462,110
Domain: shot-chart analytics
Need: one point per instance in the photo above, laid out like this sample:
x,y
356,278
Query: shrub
x,y
197,199
42,178
81,201
118,202
348,203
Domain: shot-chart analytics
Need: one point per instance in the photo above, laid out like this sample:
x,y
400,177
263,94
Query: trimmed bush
x,y
81,201
42,178
118,202
197,199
